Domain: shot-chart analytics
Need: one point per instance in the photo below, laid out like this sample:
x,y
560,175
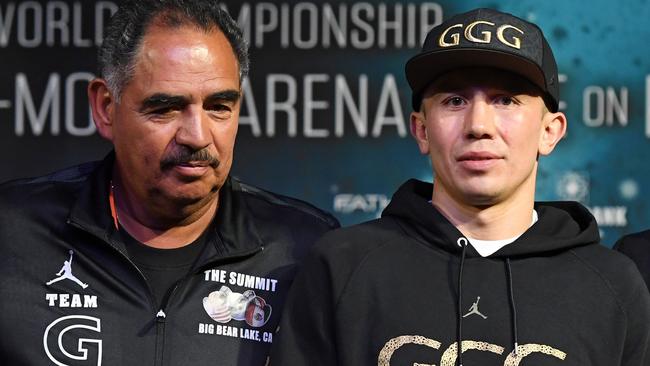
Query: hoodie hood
x,y
561,225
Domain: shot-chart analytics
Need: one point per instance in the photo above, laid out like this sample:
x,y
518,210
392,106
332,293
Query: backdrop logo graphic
x,y
574,186
368,203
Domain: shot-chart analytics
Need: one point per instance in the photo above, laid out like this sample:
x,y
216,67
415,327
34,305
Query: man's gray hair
x,y
123,36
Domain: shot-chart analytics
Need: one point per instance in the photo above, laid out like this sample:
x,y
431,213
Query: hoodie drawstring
x,y
513,309
462,242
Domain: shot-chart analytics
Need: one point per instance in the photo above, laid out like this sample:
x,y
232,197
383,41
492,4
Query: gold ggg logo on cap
x,y
485,36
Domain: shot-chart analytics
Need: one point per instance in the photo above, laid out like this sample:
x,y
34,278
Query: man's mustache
x,y
184,155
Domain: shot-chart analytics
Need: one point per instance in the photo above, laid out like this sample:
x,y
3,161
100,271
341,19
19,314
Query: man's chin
x,y
190,193
481,196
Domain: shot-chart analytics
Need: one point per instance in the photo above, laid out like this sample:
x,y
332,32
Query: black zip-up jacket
x,y
70,295
403,289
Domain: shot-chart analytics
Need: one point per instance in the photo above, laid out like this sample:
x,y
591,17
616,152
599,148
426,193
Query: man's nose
x,y
479,120
193,130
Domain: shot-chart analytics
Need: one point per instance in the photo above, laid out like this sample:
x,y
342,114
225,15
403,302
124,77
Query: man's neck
x,y
159,223
501,220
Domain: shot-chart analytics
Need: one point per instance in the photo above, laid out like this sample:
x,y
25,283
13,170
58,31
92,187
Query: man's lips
x,y
192,168
195,164
477,156
478,160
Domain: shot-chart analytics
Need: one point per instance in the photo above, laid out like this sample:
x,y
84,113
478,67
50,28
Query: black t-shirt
x,y
163,268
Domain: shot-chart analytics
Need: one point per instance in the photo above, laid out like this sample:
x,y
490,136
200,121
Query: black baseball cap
x,y
485,38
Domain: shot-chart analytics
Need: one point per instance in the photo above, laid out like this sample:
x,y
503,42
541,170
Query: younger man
x,y
405,289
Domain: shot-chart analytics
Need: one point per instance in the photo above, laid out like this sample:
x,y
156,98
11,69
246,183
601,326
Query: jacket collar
x,y
232,233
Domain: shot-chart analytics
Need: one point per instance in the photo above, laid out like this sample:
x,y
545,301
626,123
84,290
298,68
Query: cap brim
x,y
424,68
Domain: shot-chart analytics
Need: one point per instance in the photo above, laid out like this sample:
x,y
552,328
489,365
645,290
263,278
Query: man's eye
x,y
162,111
219,108
506,100
455,101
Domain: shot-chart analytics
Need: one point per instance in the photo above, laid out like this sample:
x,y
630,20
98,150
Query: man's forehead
x,y
185,42
490,78
185,62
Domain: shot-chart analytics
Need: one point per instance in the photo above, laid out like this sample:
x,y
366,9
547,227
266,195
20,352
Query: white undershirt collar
x,y
486,248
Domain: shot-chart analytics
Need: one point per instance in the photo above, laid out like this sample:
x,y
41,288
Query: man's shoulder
x,y
358,251
616,271
636,243
287,209
360,240
55,185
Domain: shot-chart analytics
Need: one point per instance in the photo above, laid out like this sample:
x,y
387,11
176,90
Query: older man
x,y
472,262
162,257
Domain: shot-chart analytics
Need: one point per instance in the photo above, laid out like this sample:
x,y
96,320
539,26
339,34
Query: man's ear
x,y
419,131
553,129
102,104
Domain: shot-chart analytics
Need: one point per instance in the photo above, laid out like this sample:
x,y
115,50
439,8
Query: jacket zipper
x,y
160,315
160,337
161,318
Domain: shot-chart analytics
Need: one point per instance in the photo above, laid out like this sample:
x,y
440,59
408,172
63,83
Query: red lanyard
x,y
111,202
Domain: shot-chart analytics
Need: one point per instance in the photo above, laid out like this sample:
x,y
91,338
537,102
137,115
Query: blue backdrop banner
x,y
326,108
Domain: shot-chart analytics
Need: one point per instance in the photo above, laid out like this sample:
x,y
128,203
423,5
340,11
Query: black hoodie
x,y
388,292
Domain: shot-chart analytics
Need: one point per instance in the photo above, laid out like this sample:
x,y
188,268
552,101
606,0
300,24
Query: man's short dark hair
x,y
123,36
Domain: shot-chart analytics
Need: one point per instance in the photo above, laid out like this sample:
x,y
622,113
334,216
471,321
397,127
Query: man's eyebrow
x,y
163,100
223,96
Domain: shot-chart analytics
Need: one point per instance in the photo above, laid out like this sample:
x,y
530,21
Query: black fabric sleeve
x,y
307,332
